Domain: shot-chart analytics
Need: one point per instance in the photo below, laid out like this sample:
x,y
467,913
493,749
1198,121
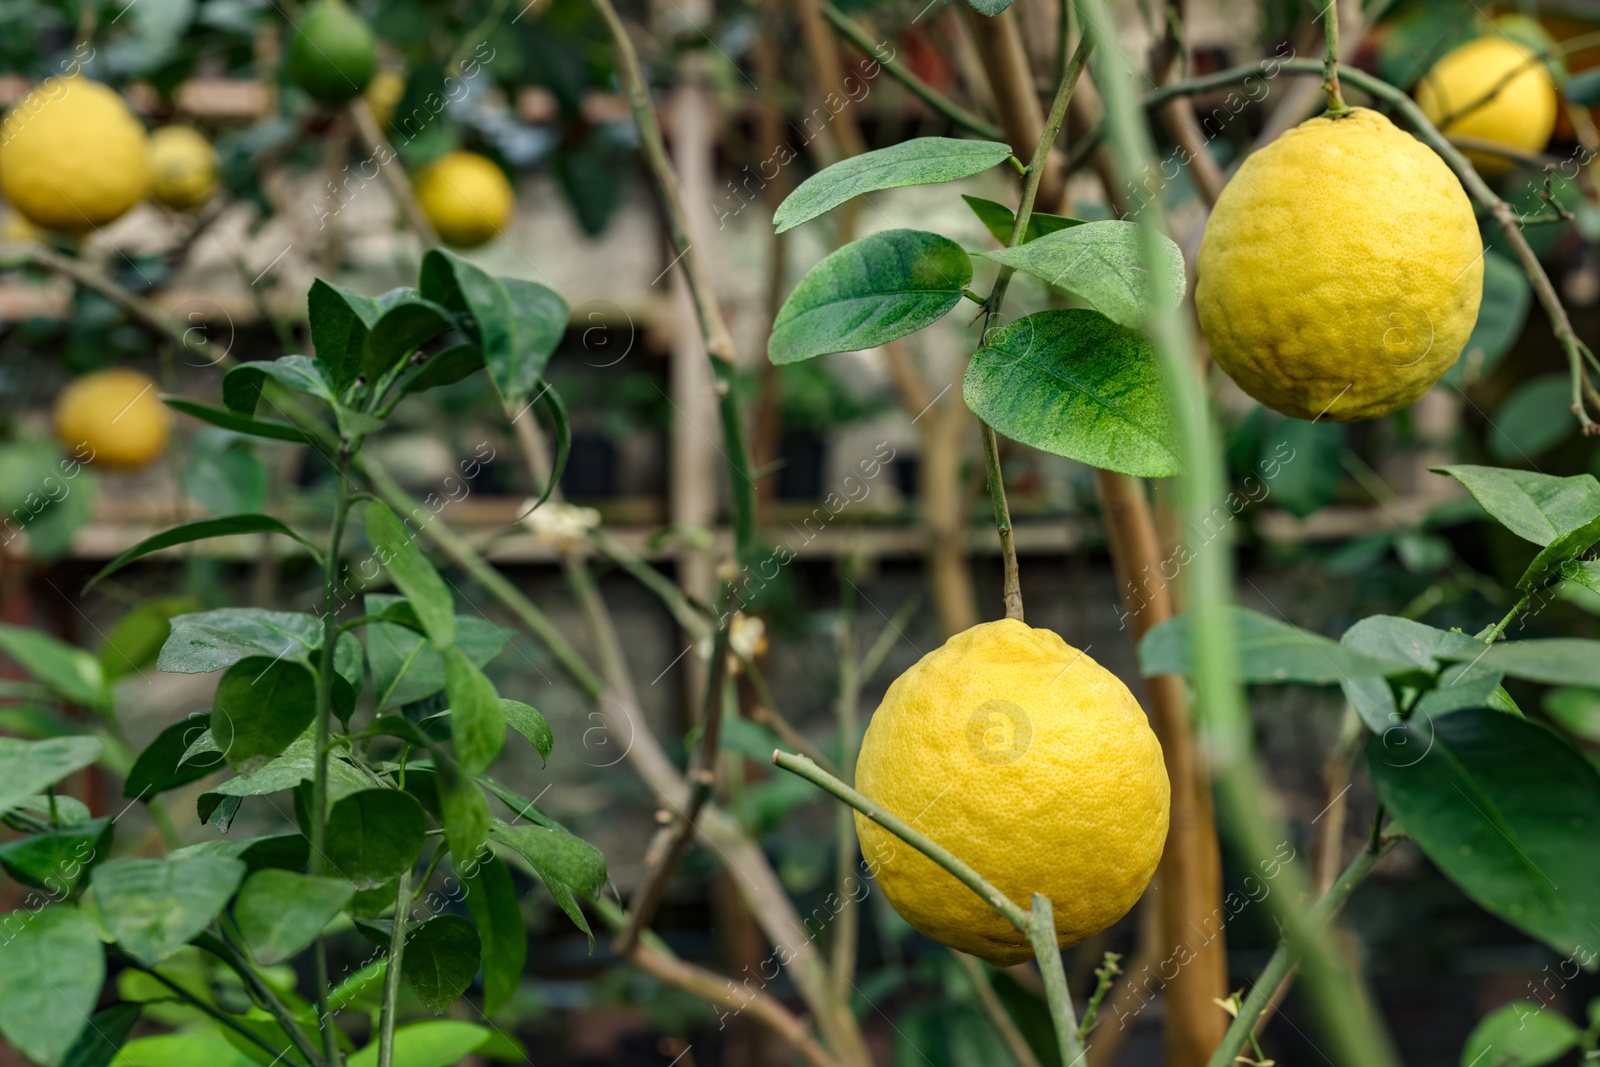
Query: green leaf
x,y
30,767
999,220
405,665
923,161
261,706
530,723
283,852
492,901
1075,384
1104,263
1576,710
212,640
1535,418
465,815
441,958
223,473
452,282
1465,685
100,1041
444,368
1502,313
555,854
411,572
57,861
477,725
1520,1034
436,1043
229,526
1269,651
374,835
539,322
1551,660
51,971
1504,808
870,292
1537,507
69,811
281,912
550,400
135,641
193,1048
153,907
1390,637
340,319
990,8
274,431
407,322
241,386
73,673
521,807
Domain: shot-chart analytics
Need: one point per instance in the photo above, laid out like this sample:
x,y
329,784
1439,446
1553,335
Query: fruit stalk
x,y
1037,925
1345,1014
1330,62
391,977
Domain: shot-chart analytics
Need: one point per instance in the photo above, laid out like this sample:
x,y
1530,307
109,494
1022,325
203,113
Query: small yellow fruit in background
x,y
466,198
383,96
183,168
17,229
1031,763
1519,108
112,418
72,156
1341,270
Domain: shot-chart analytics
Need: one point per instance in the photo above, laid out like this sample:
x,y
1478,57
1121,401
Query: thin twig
x,y
846,707
999,1018
376,145
391,979
220,1016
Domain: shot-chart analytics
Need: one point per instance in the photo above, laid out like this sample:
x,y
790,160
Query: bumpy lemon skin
x,y
183,168
1521,112
112,418
1341,270
72,156
1030,762
466,198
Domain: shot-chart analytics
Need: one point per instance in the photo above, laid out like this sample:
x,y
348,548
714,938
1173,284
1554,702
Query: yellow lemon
x,y
466,198
72,156
113,418
1340,272
183,168
1031,763
1491,89
383,96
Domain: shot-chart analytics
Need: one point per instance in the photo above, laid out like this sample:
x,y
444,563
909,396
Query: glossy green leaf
x,y
374,835
1075,384
135,641
241,386
406,323
73,673
1424,647
492,901
555,854
340,319
548,400
1505,809
1551,660
1466,685
443,368
436,1043
51,970
397,550
1520,1034
520,806
999,220
100,1041
405,665
191,1048
465,814
58,861
1104,263
530,723
483,300
154,906
228,420
1541,508
1269,651
30,767
870,292
283,852
477,725
212,640
228,526
922,161
442,957
279,913
1535,418
69,811
261,705
539,322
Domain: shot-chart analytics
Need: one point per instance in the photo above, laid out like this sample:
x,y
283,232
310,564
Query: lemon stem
x,y
1037,925
1330,63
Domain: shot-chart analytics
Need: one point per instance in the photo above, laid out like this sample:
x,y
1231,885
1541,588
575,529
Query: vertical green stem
x,y
741,472
391,978
324,712
1042,936
1257,827
1012,590
1330,62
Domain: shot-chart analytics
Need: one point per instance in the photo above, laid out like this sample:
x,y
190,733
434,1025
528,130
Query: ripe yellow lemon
x,y
1340,272
383,95
1491,89
72,156
113,418
466,198
1031,763
183,168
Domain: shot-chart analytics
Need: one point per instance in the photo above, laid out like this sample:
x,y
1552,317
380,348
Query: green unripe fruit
x,y
332,55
